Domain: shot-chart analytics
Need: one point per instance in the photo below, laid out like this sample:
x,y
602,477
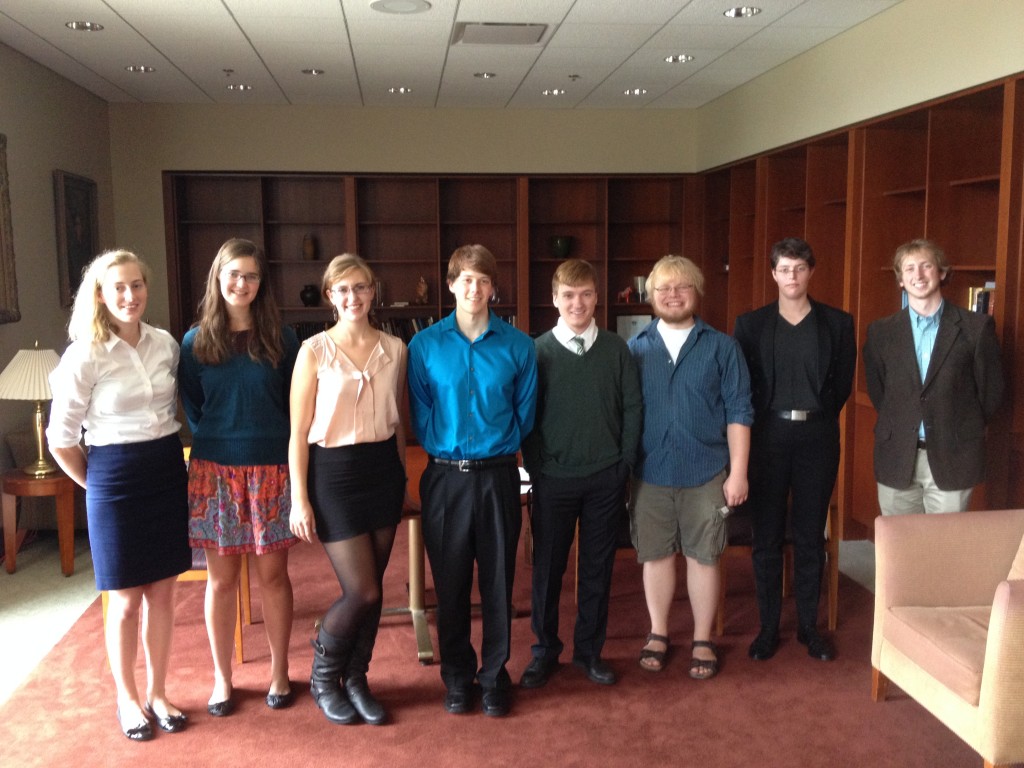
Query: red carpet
x,y
790,711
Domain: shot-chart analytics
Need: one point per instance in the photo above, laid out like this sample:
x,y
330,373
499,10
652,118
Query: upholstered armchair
x,y
949,623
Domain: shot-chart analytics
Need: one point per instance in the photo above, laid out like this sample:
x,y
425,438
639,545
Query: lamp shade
x,y
26,377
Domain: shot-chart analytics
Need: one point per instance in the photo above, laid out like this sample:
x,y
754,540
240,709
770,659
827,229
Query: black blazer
x,y
959,395
837,355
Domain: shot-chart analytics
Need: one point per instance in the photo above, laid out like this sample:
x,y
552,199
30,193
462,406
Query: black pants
x,y
597,502
472,517
793,466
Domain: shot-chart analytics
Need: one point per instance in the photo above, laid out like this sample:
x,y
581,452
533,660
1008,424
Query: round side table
x,y
62,488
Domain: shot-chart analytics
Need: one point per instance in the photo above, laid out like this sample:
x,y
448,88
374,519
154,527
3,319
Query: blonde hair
x,y
90,320
676,266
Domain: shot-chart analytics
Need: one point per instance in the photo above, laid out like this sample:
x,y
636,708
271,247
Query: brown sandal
x,y
651,660
704,669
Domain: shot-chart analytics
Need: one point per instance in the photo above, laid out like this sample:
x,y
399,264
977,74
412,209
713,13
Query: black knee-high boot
x,y
330,657
356,686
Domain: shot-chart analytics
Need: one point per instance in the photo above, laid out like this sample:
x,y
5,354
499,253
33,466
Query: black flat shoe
x,y
764,646
458,700
537,672
171,723
817,646
280,700
597,670
141,732
221,708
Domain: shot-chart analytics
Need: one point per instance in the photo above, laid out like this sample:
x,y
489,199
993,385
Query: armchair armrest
x,y
1001,703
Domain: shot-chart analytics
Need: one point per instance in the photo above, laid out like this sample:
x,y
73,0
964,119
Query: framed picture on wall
x,y
75,203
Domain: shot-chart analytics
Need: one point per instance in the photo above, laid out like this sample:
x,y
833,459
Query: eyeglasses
x,y
233,277
359,289
666,290
798,270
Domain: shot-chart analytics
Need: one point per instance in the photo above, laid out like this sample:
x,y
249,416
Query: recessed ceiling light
x,y
553,92
139,68
400,90
400,6
239,87
742,12
484,75
84,26
635,91
313,71
679,58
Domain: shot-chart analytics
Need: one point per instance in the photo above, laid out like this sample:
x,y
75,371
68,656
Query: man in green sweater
x,y
579,456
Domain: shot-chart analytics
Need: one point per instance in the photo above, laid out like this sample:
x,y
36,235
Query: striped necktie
x,y
580,348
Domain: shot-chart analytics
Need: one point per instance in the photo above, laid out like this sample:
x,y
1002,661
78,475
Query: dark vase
x,y
310,295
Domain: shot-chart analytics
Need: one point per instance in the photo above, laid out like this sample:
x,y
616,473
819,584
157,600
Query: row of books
x,y
982,298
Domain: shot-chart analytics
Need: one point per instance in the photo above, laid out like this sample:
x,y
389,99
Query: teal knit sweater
x,y
589,408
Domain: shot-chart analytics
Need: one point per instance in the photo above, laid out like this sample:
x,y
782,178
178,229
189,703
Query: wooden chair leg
x,y
879,685
722,575
239,609
243,585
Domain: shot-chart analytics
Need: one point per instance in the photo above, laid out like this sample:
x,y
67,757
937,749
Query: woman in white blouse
x,y
117,381
346,461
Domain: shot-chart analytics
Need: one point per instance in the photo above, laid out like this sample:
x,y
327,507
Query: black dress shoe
x,y
280,700
817,646
537,672
458,700
221,708
170,723
140,732
497,702
764,646
597,671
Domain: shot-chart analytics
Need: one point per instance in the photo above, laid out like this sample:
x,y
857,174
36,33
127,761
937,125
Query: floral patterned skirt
x,y
239,509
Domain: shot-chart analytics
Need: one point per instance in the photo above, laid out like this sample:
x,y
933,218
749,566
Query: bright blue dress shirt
x,y
472,400
688,404
925,329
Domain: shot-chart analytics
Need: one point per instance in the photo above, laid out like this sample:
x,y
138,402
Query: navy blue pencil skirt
x,y
136,497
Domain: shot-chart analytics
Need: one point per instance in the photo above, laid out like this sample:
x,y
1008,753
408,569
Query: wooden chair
x,y
739,544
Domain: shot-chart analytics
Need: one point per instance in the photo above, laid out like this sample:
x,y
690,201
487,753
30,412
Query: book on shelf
x,y
405,327
308,328
981,298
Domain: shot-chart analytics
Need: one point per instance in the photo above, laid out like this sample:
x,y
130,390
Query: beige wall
x,y
50,124
916,51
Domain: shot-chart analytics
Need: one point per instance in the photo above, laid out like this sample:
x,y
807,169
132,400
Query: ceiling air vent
x,y
494,33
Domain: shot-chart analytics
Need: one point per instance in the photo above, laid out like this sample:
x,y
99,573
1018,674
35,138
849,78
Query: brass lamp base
x,y
39,468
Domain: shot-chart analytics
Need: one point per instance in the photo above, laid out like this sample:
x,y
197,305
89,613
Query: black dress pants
x,y
472,517
597,502
793,466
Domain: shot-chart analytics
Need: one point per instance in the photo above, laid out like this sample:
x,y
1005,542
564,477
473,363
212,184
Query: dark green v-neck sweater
x,y
589,408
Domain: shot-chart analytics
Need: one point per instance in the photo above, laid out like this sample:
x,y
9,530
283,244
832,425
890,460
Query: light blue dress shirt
x,y
925,328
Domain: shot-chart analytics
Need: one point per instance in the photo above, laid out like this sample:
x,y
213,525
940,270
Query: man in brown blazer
x,y
935,379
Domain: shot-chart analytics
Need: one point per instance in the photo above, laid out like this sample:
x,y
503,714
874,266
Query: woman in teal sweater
x,y
234,377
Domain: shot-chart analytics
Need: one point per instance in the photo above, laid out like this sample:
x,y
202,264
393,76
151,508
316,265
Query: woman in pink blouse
x,y
346,461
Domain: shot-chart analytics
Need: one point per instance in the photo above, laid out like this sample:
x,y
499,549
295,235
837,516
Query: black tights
x,y
359,564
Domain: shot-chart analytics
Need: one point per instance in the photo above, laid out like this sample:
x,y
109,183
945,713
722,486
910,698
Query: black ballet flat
x,y
171,723
141,732
280,700
221,708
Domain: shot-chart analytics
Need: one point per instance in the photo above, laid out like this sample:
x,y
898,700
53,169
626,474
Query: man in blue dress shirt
x,y
473,389
693,456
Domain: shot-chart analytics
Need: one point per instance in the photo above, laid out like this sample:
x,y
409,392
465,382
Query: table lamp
x,y
26,377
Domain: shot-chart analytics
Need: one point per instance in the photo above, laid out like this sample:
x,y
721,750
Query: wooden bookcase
x,y
952,170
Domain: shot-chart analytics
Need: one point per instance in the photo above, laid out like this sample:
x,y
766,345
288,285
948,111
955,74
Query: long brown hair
x,y
213,341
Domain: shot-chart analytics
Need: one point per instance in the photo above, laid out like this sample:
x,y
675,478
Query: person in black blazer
x,y
801,356
935,378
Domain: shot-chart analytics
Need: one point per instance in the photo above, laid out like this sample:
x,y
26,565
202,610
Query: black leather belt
x,y
800,415
921,446
469,465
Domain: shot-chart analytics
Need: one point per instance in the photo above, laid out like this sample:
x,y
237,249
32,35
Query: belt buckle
x,y
464,465
798,415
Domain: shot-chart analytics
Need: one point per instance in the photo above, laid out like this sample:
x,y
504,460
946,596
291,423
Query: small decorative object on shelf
x,y
640,288
561,245
422,291
623,296
378,293
310,295
309,247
